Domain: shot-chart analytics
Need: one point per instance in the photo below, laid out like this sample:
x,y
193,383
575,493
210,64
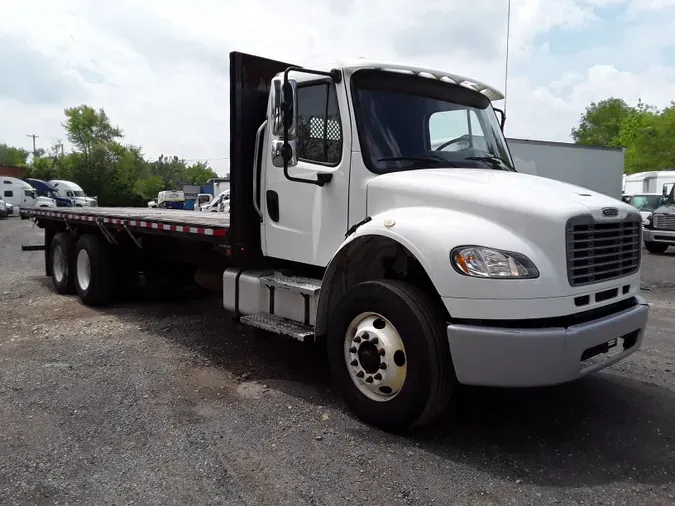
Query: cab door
x,y
305,222
29,198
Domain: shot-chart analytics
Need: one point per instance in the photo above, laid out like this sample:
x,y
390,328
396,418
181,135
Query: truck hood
x,y
514,200
85,201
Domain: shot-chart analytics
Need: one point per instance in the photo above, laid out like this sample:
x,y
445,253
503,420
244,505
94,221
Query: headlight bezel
x,y
523,260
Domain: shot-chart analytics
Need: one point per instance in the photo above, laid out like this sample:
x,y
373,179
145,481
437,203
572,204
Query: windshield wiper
x,y
435,160
493,161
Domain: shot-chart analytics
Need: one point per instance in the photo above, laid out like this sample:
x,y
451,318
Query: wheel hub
x,y
375,357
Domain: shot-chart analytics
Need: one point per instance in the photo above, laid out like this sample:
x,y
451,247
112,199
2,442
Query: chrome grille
x,y
602,250
664,222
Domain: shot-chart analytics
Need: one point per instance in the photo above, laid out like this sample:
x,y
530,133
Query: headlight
x,y
480,262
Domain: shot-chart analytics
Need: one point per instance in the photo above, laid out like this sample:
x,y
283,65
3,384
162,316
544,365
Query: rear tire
x,y
93,273
61,254
657,248
409,321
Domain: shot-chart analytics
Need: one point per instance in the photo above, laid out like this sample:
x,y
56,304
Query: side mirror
x,y
281,153
664,191
501,116
284,107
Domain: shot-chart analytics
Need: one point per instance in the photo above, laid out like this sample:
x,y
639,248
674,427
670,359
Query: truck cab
x,y
659,233
73,191
22,195
393,189
44,189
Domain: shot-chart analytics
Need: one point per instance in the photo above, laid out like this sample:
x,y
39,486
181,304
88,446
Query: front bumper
x,y
510,357
657,235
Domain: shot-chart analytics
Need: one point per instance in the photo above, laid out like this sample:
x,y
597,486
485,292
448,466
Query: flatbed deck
x,y
189,223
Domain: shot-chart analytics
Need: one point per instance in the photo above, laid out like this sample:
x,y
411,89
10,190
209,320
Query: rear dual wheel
x,y
93,276
389,355
61,253
82,266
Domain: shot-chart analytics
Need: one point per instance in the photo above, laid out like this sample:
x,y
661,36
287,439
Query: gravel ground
x,y
170,402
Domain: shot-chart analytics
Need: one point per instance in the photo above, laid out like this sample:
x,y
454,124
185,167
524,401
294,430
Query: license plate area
x,y
605,351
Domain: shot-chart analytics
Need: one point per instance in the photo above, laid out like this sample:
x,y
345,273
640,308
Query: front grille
x,y
664,222
602,250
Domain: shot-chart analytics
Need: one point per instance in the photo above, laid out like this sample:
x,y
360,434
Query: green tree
x,y
86,128
13,157
199,173
171,170
654,143
149,187
601,123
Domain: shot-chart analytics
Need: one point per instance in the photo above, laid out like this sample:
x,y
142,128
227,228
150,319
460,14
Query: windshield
x,y
407,122
646,202
79,193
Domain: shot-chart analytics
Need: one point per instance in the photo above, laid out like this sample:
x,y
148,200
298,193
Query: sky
x,y
159,68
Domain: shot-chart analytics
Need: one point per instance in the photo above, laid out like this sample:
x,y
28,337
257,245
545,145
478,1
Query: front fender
x,y
431,233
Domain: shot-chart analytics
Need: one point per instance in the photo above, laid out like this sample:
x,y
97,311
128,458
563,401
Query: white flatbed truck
x,y
417,265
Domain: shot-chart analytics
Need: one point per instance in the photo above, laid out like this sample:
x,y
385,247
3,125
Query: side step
x,y
305,286
279,325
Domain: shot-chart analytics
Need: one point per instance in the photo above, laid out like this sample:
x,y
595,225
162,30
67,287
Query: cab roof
x,y
354,64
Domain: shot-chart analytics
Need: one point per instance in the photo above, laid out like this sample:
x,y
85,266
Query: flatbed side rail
x,y
214,232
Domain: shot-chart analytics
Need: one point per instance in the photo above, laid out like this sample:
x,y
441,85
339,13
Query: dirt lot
x,y
173,403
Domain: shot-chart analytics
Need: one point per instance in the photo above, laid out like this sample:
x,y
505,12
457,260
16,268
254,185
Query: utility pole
x,y
34,137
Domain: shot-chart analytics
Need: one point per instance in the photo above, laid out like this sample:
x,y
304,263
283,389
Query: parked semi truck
x,y
416,268
597,168
659,227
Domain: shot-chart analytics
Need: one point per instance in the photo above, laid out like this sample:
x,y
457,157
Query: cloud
x,y
30,77
159,68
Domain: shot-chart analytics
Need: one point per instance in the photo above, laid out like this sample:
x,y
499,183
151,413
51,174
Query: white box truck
x,y
597,168
416,268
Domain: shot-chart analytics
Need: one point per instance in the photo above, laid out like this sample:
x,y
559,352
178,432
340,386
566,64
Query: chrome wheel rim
x,y
375,357
83,269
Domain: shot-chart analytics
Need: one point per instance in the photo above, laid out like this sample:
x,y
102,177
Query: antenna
x,y
506,64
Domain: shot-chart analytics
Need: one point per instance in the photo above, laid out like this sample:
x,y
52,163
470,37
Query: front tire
x,y
658,248
61,254
93,276
389,334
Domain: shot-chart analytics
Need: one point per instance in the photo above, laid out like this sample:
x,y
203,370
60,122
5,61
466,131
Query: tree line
x,y
104,166
647,133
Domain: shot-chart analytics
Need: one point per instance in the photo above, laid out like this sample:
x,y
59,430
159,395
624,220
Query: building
x,y
10,171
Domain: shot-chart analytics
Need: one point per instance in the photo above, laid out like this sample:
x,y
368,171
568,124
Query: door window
x,y
319,128
9,193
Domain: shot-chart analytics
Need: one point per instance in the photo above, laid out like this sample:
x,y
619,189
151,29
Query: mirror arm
x,y
322,179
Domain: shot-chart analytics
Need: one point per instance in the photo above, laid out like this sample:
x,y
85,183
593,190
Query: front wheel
x,y
389,355
657,248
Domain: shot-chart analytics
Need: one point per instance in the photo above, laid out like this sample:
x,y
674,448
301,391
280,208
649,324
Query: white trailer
x,y
658,181
415,268
594,167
